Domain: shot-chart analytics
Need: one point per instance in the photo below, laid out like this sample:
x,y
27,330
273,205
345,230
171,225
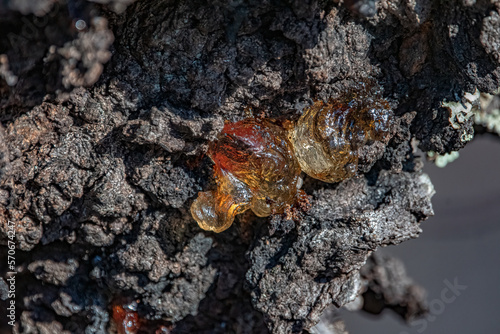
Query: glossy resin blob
x,y
258,163
255,168
327,136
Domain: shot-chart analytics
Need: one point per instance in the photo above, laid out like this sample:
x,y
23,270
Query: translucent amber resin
x,y
255,168
327,136
257,163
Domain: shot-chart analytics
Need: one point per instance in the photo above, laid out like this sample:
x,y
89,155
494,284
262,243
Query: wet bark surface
x,y
106,111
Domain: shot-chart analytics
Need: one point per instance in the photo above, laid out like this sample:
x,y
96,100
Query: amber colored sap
x,y
255,168
258,163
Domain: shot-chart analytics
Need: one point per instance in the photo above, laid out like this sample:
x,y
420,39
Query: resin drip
x,y
258,163
327,136
255,168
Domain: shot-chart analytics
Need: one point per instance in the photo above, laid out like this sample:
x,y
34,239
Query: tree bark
x,y
107,109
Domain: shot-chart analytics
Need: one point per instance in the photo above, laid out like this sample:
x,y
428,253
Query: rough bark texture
x,y
103,130
388,286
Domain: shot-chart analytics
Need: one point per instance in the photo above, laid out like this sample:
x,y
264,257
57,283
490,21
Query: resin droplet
x,y
327,136
255,168
126,320
257,163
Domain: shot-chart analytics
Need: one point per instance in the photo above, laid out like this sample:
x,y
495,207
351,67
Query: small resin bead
x,y
327,136
255,168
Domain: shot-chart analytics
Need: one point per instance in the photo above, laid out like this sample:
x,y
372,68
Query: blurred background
x,y
461,243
